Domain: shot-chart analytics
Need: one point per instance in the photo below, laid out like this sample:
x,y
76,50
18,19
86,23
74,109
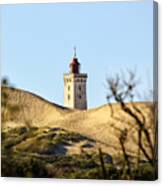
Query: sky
x,y
37,43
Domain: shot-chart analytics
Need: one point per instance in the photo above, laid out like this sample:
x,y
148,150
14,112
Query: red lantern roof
x,y
74,65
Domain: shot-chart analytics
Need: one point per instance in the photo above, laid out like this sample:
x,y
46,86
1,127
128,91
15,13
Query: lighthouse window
x,y
68,97
79,96
68,87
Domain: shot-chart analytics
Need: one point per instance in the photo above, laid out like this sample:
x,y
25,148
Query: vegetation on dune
x,y
42,155
20,159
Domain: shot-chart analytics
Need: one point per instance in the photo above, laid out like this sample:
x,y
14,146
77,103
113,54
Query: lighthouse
x,y
75,94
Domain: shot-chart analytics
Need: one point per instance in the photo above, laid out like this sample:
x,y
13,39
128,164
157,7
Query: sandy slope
x,y
96,123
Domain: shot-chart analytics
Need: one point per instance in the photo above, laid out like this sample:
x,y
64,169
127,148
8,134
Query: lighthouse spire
x,y
74,51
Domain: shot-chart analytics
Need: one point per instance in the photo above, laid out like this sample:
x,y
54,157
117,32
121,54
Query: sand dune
x,y
95,123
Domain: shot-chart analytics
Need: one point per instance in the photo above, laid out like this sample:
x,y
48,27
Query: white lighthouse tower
x,y
75,96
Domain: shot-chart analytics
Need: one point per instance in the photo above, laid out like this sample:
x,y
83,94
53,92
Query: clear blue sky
x,y
37,45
